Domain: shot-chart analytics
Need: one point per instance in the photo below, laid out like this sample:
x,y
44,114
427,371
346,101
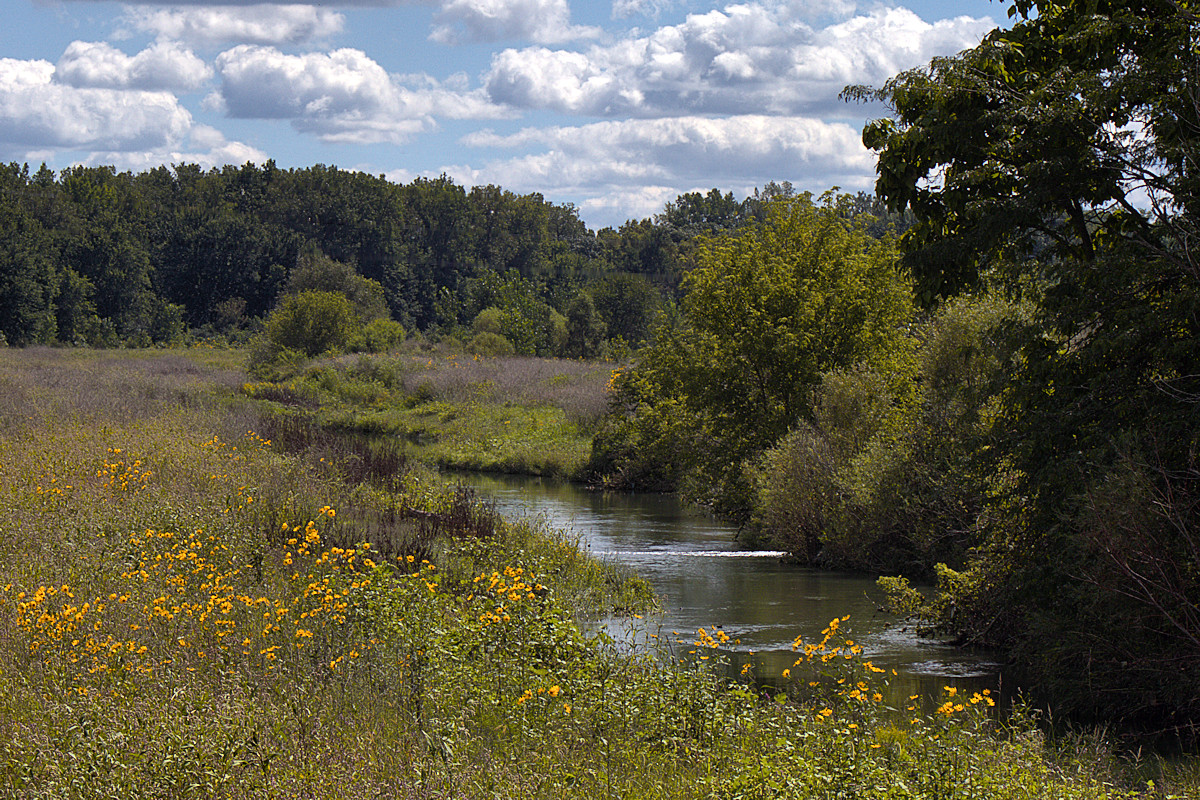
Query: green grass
x,y
190,608
514,415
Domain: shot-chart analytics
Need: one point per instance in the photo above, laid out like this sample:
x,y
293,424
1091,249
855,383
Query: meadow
x,y
199,600
516,414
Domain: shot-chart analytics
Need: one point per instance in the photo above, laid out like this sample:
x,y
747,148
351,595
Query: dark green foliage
x,y
76,313
585,329
628,305
28,282
889,475
315,272
1084,562
514,307
1032,136
222,245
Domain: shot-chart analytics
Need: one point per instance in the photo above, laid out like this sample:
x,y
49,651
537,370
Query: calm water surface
x,y
707,579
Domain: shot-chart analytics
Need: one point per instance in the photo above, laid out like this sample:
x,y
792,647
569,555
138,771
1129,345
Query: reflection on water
x,y
708,580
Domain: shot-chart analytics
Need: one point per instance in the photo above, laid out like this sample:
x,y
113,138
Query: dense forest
x,y
99,257
986,377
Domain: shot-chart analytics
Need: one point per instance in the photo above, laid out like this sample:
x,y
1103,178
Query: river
x,y
707,580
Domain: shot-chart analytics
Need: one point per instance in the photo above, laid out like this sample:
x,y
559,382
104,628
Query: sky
x,y
616,106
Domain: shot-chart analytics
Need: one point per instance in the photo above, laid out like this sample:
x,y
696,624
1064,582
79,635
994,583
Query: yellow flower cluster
x,y
953,705
506,588
53,488
825,652
553,692
715,639
195,599
121,474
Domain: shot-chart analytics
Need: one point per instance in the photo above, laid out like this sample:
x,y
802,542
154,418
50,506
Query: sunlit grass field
x,y
191,608
520,415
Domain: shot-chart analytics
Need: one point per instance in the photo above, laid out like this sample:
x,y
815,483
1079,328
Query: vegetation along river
x,y
708,580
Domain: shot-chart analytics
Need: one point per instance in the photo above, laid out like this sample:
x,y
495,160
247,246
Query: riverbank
x,y
189,610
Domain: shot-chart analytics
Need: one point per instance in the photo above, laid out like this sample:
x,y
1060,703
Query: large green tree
x,y
1060,156
1072,129
767,311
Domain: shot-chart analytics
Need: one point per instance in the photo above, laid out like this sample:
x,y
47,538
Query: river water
x,y
707,580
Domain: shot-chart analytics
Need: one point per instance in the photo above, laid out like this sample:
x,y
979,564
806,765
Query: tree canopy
x,y
1072,129
767,310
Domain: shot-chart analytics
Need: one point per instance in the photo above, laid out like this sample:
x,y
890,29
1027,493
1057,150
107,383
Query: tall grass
x,y
190,609
576,387
517,415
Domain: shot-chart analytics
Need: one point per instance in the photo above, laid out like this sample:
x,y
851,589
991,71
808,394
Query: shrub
x,y
377,336
312,323
488,321
888,476
490,344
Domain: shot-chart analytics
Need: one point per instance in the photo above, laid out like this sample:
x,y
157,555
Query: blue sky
x,y
616,106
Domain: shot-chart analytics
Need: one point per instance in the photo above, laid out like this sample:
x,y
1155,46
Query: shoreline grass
x,y
189,609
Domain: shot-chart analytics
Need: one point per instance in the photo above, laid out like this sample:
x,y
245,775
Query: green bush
x,y
490,344
312,323
377,336
488,321
316,272
888,476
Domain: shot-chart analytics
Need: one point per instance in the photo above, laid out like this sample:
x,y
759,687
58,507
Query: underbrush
x,y
190,609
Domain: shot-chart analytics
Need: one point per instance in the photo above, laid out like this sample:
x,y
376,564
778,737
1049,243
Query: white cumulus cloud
x,y
341,96
162,66
251,24
38,113
204,146
743,59
541,21
614,163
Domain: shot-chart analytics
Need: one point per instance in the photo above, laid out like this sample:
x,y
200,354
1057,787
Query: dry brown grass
x,y
46,383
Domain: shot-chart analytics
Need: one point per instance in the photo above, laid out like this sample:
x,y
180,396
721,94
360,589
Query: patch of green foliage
x,y
767,311
463,425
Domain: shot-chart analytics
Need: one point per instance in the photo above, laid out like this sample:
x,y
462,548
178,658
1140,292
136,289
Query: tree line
x,y
98,257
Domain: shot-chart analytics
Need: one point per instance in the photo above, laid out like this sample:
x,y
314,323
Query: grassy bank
x,y
188,608
517,415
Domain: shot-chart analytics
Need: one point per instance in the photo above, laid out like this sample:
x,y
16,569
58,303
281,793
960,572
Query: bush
x,y
312,323
490,344
888,477
378,336
488,321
